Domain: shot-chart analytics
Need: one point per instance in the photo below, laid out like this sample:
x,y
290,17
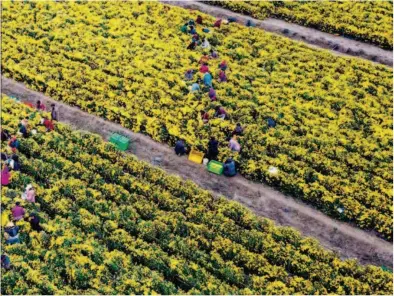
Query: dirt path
x,y
313,37
347,241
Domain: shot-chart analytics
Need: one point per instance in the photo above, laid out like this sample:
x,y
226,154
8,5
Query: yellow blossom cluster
x,y
125,61
368,21
116,225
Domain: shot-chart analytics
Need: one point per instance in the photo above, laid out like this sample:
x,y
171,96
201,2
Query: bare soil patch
x,y
343,238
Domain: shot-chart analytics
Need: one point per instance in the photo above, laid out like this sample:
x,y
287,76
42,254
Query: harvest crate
x,y
121,142
215,167
196,156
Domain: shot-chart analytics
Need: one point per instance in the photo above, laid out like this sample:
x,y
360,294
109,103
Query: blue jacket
x,y
229,169
12,231
195,87
180,148
208,79
13,240
271,122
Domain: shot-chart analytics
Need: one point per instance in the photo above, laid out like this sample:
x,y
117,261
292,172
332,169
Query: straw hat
x,y
10,224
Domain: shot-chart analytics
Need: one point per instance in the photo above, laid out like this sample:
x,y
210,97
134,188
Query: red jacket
x,y
204,69
49,125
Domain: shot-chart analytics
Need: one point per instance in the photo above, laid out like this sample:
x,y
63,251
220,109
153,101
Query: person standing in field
x,y
40,106
213,149
54,113
180,148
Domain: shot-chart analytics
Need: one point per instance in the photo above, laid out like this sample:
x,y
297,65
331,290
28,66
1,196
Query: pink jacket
x,y
5,176
234,145
31,195
18,212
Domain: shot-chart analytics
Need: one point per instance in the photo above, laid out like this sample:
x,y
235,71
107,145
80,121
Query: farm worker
x,y
30,194
11,240
11,229
13,143
204,68
223,65
238,130
5,262
192,45
213,54
40,106
195,87
23,131
204,59
189,75
204,116
11,234
271,122
213,150
180,148
25,121
229,168
217,23
195,37
4,156
35,222
208,79
17,211
5,175
184,28
232,19
48,124
222,76
5,135
206,43
234,145
191,23
54,113
14,163
249,23
212,94
220,112
199,20
192,30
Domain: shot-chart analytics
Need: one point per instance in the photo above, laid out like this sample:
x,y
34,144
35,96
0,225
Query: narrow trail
x,y
315,38
347,241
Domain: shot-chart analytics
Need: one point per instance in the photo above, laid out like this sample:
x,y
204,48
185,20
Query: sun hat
x,y
10,224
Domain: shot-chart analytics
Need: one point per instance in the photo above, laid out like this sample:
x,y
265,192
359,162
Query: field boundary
x,y
343,238
312,37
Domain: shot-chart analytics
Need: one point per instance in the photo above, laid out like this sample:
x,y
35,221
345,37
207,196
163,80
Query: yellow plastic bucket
x,y
196,156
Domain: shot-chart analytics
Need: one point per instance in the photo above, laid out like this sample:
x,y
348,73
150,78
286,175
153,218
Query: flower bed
x,y
125,61
116,225
367,21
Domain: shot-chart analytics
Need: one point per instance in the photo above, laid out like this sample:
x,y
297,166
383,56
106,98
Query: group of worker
x,y
11,163
213,150
220,112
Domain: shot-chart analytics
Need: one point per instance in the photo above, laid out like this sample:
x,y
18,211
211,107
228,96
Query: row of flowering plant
x,y
116,225
125,61
368,21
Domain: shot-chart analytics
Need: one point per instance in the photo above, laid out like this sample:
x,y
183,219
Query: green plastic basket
x,y
123,143
114,138
215,167
120,142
